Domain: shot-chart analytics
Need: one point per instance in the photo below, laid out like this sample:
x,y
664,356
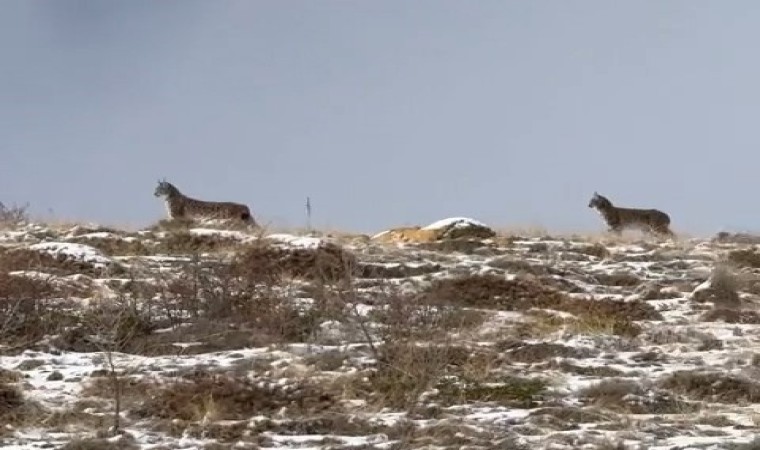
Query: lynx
x,y
651,220
180,206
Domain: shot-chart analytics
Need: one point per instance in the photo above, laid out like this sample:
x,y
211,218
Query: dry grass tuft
x,y
228,397
123,442
597,250
513,391
619,279
567,417
731,316
745,258
271,263
626,396
404,371
22,259
15,409
489,291
13,215
724,288
117,246
710,386
530,353
185,243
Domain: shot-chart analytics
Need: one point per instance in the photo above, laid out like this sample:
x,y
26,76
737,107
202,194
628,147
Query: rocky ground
x,y
190,337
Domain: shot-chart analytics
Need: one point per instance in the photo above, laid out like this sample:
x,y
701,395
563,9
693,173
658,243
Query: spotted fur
x,y
180,206
651,220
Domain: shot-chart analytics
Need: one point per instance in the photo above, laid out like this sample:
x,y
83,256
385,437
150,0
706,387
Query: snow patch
x,y
455,222
297,241
79,252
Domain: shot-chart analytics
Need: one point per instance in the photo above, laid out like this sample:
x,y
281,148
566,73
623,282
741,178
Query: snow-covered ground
x,y
535,343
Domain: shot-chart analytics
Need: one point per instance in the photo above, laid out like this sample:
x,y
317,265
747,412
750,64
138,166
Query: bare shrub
x,y
14,214
28,312
404,371
405,317
115,327
252,299
15,409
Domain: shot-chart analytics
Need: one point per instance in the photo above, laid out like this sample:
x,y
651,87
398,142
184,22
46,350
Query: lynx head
x,y
599,202
164,189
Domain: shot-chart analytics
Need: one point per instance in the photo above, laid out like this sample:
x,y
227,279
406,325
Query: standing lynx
x,y
180,206
651,220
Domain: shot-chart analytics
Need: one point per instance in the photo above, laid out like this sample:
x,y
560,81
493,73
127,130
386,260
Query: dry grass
x,y
724,288
714,387
123,442
15,409
567,417
181,242
228,397
22,259
512,391
731,316
627,396
488,291
404,371
12,216
531,353
745,258
619,279
271,263
117,246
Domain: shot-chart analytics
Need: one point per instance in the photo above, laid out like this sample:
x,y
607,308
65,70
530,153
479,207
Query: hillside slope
x,y
214,339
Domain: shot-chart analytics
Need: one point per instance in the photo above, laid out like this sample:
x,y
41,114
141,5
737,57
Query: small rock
x,y
55,376
30,364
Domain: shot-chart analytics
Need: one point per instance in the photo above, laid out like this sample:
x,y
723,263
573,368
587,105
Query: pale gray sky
x,y
386,113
